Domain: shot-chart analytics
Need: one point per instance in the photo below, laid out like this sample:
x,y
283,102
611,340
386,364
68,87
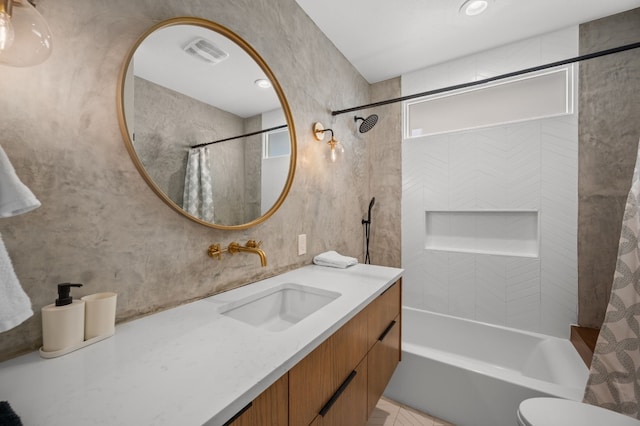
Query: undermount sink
x,y
280,307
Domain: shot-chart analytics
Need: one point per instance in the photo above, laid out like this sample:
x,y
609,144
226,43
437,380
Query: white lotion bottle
x,y
63,321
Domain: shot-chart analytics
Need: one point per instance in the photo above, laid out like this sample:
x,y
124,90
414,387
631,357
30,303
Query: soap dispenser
x,y
63,321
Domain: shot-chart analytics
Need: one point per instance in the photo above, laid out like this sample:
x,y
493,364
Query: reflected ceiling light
x,y
262,83
335,147
25,38
474,7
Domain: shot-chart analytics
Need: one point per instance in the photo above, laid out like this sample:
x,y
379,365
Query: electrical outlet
x,y
302,244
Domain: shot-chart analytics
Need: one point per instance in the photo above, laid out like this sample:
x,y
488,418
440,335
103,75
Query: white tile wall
x,y
531,165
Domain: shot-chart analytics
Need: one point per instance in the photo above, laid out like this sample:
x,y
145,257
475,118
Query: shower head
x,y
367,123
368,219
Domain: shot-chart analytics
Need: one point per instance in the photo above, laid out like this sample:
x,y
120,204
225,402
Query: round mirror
x,y
207,124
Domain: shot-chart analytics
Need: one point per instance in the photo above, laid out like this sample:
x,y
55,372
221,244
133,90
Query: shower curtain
x,y
198,185
614,379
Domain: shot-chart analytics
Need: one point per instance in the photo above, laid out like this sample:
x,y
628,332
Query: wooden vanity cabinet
x,y
368,344
341,381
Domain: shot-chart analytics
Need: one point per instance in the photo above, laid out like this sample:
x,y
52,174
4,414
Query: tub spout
x,y
251,247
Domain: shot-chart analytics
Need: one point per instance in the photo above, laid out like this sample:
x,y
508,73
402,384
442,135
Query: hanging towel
x,y
334,260
615,367
15,306
15,197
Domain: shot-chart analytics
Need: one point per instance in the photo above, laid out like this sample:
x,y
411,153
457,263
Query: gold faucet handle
x,y
214,250
253,244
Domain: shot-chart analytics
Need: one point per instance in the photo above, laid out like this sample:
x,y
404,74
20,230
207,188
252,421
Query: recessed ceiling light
x,y
262,83
474,7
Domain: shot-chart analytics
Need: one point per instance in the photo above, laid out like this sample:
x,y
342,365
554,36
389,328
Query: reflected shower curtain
x,y
614,379
198,185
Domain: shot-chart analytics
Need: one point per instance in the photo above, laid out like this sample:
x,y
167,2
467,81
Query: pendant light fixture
x,y
25,38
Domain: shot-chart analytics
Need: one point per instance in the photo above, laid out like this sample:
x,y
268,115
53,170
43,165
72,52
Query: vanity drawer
x,y
383,311
382,360
350,405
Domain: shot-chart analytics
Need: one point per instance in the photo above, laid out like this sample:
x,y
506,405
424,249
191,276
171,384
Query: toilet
x,y
563,412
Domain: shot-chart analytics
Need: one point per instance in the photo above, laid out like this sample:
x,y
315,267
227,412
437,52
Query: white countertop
x,y
188,365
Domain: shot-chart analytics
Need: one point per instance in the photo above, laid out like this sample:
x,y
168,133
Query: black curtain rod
x,y
241,136
490,79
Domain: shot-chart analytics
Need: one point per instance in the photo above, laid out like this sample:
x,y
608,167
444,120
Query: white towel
x,y
15,197
334,260
15,306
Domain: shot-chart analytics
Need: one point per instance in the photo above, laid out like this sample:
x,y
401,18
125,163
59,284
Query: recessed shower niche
x,y
498,232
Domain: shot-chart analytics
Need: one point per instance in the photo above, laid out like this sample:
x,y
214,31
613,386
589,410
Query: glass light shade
x,y
7,34
32,40
335,150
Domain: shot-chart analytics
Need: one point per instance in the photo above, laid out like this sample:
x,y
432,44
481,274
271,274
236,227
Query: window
x,y
277,143
537,95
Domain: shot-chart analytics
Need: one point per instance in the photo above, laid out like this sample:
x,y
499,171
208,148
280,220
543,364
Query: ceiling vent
x,y
206,51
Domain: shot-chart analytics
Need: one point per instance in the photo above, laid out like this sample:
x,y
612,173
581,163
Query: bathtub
x,y
475,374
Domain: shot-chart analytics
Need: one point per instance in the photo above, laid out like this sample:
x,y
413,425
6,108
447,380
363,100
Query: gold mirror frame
x,y
276,85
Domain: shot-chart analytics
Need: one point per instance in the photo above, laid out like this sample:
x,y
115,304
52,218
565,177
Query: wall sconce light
x,y
335,147
25,38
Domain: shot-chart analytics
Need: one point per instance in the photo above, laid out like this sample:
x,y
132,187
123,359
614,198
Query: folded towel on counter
x,y
8,417
15,306
334,260
15,197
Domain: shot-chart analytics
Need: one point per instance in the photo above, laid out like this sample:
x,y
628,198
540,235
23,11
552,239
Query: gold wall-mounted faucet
x,y
251,247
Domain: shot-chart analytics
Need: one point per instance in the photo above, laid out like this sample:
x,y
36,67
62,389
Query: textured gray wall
x,y
101,225
385,150
167,123
609,129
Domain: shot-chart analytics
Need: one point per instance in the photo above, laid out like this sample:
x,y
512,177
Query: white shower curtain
x,y
614,379
198,185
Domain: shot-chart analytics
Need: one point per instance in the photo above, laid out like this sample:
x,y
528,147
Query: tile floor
x,y
391,413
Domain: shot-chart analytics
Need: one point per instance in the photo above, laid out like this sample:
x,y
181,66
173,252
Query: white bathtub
x,y
475,374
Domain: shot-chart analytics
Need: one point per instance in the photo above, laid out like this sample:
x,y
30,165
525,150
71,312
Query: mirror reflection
x,y
207,123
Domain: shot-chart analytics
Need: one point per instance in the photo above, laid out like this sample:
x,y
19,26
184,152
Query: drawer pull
x,y
238,414
386,331
337,394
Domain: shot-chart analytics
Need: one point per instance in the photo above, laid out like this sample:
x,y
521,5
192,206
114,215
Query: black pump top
x,y
64,294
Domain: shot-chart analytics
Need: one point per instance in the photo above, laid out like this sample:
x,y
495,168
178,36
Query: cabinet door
x,y
270,408
383,359
350,406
